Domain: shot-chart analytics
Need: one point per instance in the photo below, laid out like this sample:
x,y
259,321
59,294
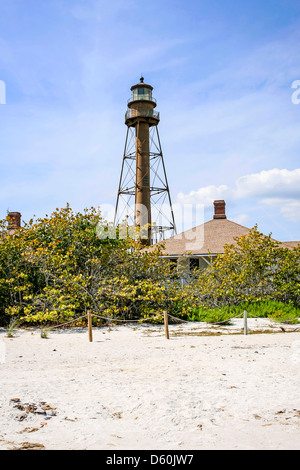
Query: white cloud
x,y
206,195
275,182
280,188
290,208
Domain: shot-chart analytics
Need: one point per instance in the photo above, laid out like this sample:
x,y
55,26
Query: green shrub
x,y
275,310
56,268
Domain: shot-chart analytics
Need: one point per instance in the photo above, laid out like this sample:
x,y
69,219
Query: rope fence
x,y
165,315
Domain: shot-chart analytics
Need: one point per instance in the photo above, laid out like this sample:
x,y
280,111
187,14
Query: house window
x,y
194,263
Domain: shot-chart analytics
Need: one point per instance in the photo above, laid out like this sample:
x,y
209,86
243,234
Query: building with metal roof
x,y
199,245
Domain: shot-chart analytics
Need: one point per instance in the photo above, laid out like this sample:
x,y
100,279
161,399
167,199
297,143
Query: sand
x,y
131,388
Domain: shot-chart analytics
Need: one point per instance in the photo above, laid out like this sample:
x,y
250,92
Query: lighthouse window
x,y
142,94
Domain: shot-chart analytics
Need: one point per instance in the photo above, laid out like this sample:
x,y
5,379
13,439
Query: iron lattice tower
x,y
143,198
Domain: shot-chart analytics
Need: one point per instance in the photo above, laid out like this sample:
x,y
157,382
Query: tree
x,y
255,268
287,276
56,268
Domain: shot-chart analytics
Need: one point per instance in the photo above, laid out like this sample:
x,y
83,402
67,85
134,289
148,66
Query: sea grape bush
x,y
56,268
255,269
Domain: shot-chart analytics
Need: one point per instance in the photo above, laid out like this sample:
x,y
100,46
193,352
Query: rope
x,y
178,319
147,320
212,323
229,319
120,320
267,318
99,316
63,324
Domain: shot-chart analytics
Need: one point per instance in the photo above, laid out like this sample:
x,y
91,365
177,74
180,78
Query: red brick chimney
x,y
219,210
15,220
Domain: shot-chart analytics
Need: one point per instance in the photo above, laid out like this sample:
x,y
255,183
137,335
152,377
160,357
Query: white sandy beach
x,y
131,388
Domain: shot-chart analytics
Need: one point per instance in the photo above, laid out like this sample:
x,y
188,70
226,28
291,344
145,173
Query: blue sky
x,y
222,72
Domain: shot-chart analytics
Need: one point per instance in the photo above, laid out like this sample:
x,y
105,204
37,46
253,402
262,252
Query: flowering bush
x,y
256,268
55,269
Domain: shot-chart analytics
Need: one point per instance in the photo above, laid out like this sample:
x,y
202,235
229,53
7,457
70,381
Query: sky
x,y
226,77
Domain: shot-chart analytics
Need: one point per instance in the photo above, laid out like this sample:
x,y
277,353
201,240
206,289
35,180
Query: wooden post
x,y
245,323
166,324
90,326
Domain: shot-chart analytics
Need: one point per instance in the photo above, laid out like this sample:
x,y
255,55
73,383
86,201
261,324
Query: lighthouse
x,y
143,197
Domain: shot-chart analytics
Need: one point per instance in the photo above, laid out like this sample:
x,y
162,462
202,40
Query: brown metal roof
x,y
210,237
291,244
